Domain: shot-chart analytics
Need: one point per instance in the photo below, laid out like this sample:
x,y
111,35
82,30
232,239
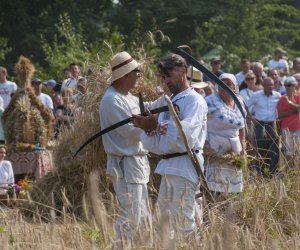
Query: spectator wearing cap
x,y
194,77
72,81
50,85
288,113
296,65
279,63
216,65
245,65
264,105
7,88
44,98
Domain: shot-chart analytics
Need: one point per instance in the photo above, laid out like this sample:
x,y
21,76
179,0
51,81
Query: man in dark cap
x,y
45,99
216,65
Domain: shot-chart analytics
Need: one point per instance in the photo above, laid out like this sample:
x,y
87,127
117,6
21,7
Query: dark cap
x,y
36,81
51,83
280,50
215,59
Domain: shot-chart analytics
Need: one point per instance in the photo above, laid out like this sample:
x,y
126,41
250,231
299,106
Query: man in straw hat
x,y
194,77
127,162
179,180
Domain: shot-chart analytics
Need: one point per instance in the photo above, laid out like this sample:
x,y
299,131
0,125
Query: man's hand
x,y
147,123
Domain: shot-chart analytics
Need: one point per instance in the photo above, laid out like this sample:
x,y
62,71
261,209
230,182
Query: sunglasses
x,y
250,78
289,85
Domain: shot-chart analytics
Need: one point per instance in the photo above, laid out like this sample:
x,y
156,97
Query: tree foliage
x,y
252,30
3,48
241,28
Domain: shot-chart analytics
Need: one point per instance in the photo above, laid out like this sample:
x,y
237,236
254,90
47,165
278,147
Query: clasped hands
x,y
147,123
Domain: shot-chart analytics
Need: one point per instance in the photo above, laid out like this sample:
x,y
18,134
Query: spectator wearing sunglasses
x,y
288,112
250,80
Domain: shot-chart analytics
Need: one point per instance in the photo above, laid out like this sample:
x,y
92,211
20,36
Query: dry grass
x,y
73,207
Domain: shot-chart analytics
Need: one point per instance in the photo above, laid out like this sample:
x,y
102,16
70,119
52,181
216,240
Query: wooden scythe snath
x,y
209,197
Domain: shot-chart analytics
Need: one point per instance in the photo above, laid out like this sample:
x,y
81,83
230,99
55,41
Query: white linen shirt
x,y
46,100
280,64
6,175
246,94
69,83
223,120
240,77
126,156
6,89
193,111
264,107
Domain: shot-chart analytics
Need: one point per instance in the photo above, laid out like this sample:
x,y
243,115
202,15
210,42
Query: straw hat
x,y
121,64
195,78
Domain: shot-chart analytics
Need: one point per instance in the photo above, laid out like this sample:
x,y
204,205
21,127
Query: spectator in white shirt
x,y
245,65
264,105
7,88
250,80
72,81
279,63
45,99
6,172
50,86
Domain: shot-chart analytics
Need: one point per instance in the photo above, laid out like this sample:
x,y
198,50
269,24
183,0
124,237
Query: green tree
x,y
70,46
3,48
251,29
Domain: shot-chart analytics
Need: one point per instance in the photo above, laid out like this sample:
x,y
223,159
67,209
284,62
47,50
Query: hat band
x,y
194,80
122,64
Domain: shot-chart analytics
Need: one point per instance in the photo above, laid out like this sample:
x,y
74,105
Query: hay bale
x,y
26,119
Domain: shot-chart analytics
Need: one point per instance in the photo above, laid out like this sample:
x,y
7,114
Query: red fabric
x,y
38,163
291,122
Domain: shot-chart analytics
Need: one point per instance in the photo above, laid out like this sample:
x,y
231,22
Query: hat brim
x,y
199,85
118,73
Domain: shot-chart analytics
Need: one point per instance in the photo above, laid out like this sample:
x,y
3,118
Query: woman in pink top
x,y
288,113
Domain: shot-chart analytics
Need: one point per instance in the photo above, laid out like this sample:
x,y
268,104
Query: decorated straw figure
x,y
26,120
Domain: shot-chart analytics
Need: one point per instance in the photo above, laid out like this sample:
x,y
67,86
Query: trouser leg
x,y
133,207
273,152
260,142
177,197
